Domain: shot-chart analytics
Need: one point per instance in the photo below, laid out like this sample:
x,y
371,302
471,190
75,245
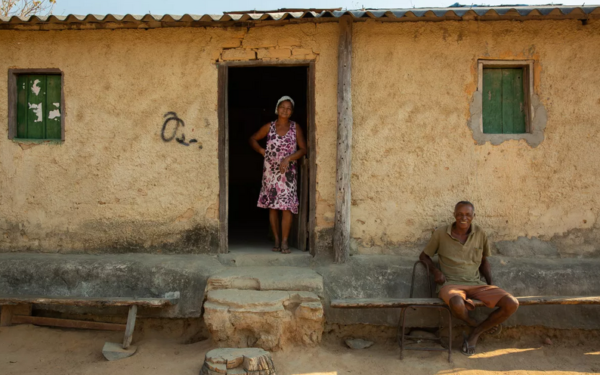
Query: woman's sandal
x,y
285,250
276,249
467,349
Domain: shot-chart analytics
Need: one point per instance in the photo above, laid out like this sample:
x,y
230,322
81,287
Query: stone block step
x,y
270,320
257,301
267,278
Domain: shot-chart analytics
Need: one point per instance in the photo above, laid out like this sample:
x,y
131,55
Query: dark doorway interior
x,y
252,95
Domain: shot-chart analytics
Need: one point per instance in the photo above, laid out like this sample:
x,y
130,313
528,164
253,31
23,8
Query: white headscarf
x,y
283,99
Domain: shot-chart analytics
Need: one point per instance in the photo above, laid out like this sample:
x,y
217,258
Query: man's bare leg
x,y
459,310
506,307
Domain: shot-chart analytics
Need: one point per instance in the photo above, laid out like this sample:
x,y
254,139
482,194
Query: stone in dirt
x,y
358,343
245,361
113,351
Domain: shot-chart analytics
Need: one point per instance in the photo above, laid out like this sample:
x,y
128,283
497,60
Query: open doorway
x,y
252,93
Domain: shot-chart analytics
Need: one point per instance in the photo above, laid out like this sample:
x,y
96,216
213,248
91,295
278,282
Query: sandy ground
x,y
26,349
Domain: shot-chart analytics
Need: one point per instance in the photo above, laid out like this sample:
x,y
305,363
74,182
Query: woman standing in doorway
x,y
285,145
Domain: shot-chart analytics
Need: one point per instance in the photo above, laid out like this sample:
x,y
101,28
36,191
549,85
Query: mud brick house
x,y
125,169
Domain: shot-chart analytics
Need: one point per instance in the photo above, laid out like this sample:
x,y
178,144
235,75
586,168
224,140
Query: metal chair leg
x,y
449,336
402,330
402,322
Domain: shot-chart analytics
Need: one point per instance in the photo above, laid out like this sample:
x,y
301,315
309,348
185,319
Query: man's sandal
x,y
495,330
467,349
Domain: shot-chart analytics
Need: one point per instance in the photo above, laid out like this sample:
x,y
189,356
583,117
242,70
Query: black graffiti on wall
x,y
171,127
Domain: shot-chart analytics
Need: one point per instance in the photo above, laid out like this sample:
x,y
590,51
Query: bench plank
x,y
558,300
370,303
87,301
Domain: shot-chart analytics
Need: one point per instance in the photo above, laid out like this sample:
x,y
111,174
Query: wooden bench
x,y
404,303
111,351
373,303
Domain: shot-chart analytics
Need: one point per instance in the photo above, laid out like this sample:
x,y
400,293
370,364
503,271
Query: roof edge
x,y
128,21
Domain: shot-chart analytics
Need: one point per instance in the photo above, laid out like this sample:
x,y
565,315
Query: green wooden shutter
x,y
492,101
38,106
503,101
53,110
22,84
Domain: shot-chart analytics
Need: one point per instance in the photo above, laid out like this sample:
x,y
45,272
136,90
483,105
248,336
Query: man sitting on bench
x,y
462,250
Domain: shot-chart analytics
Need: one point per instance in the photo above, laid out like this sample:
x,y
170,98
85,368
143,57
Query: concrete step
x,y
251,256
267,278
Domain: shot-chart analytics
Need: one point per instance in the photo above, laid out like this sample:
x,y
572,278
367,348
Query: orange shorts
x,y
488,294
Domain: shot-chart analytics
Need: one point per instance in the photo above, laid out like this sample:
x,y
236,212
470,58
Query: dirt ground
x,y
27,349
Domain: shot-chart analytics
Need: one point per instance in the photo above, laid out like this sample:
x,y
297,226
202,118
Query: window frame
x,y
12,101
527,66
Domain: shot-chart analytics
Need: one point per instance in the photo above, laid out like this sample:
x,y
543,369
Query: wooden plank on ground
x,y
86,301
67,323
371,303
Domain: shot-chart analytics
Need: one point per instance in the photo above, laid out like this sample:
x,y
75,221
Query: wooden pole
x,y
223,159
341,233
312,160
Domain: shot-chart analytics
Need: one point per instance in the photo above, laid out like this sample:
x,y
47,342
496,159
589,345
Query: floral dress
x,y
279,191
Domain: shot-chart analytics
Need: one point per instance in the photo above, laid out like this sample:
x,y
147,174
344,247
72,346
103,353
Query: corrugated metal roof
x,y
481,13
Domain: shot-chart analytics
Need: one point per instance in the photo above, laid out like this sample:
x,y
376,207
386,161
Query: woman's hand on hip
x,y
263,152
283,166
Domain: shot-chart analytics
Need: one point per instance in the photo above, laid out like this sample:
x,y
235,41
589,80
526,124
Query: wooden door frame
x,y
223,153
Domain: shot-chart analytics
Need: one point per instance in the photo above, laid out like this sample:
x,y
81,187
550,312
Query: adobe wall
x,y
115,184
415,156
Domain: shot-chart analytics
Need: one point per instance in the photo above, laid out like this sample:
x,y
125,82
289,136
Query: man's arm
x,y
486,270
438,276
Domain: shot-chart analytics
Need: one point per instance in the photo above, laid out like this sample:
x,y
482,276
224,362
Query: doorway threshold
x,y
253,255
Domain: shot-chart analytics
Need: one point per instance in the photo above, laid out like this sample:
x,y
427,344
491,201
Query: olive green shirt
x,y
459,263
